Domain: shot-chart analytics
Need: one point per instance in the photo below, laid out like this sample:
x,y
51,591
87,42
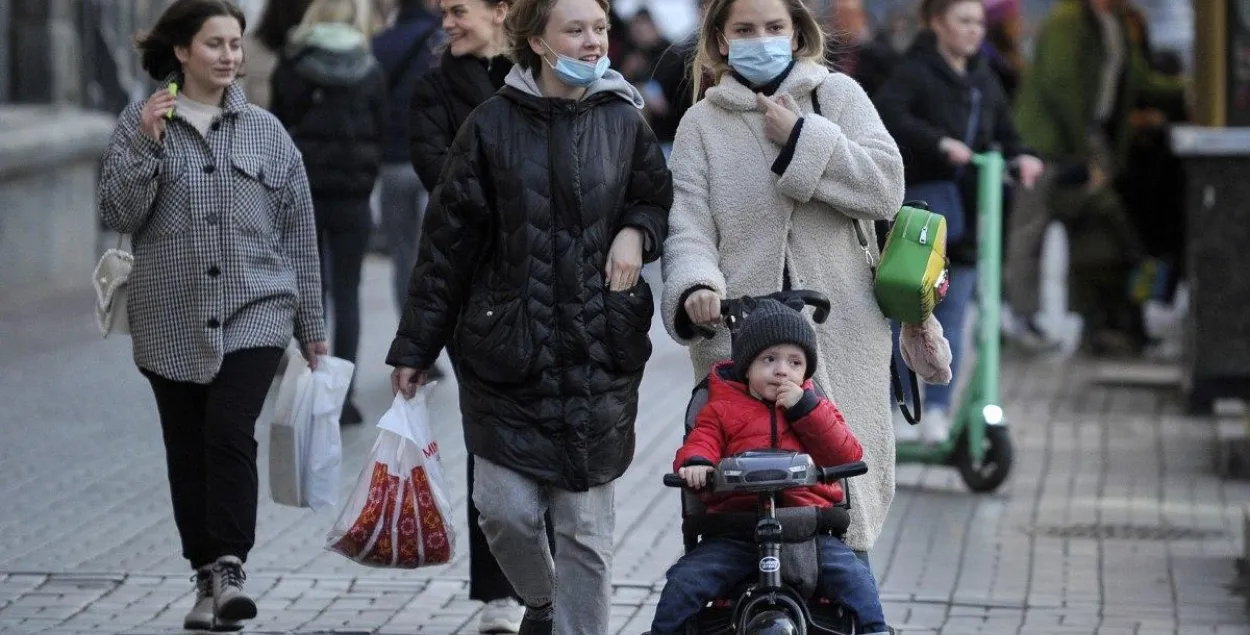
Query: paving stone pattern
x,y
1087,538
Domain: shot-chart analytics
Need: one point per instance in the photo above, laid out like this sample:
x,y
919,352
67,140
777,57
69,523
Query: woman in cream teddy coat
x,y
758,210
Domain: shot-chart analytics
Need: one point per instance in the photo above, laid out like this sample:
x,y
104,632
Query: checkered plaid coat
x,y
223,237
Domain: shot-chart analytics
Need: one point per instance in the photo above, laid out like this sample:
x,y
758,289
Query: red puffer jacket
x,y
733,422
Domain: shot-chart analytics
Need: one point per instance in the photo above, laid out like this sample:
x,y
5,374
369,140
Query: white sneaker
x,y
904,432
501,616
935,426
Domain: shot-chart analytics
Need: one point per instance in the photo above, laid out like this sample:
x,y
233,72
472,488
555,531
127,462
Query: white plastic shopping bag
x,y
305,449
398,514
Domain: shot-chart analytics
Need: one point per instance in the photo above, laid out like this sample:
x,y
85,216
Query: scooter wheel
x,y
995,464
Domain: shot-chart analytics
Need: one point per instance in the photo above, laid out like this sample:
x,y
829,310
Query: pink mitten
x,y
926,351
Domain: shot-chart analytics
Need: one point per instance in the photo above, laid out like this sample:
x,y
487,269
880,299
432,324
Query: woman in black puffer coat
x,y
329,93
554,193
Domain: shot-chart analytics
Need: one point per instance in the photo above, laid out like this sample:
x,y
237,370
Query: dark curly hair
x,y
176,27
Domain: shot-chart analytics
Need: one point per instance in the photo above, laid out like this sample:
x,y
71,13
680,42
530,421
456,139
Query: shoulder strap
x,y
896,383
401,69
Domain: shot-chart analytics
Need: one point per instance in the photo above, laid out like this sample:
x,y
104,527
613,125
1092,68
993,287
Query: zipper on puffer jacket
x,y
772,424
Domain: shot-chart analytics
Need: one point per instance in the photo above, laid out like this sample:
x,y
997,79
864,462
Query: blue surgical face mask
x,y
760,60
576,73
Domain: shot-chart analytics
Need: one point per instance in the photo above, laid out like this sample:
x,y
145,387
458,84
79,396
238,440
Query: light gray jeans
x,y
578,582
403,200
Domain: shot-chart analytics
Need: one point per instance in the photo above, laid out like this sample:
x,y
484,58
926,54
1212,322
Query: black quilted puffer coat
x,y
511,278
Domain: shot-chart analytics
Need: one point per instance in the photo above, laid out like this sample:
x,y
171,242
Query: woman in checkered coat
x,y
214,196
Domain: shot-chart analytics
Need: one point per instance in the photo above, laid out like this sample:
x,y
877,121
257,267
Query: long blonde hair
x,y
708,58
330,12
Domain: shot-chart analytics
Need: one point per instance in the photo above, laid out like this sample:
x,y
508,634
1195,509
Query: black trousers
x,y
343,227
210,453
486,580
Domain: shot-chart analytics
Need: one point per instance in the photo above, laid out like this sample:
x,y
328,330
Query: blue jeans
x,y
951,314
719,564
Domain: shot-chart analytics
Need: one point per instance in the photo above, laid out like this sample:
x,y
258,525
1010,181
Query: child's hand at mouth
x,y
789,394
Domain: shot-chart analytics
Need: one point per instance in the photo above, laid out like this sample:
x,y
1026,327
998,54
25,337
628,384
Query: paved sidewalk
x,y
1112,523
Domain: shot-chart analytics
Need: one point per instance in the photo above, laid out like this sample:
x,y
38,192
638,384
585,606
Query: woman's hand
x,y
152,115
1030,169
956,151
779,121
703,307
695,475
313,351
407,380
624,260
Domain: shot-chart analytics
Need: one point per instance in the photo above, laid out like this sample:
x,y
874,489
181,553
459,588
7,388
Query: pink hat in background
x,y
998,10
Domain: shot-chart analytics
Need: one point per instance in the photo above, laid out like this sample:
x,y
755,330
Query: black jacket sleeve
x,y
895,102
430,130
379,107
456,227
284,86
650,193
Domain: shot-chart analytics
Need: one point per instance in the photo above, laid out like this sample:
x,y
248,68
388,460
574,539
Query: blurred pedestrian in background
x,y
329,92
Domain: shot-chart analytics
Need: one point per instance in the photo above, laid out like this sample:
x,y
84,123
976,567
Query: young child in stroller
x,y
764,398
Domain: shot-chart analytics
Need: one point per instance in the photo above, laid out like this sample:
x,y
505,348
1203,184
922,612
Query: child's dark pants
x,y
718,564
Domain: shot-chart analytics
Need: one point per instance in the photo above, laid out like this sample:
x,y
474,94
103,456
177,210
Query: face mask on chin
x,y
760,60
575,73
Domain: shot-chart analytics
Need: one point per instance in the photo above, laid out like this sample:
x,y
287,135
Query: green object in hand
x,y
912,276
173,91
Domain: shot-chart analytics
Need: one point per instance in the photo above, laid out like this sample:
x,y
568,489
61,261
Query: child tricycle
x,y
783,598
780,599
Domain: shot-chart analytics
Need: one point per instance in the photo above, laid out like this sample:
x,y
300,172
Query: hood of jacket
x,y
330,54
612,84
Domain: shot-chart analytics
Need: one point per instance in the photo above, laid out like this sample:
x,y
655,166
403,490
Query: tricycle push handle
x,y
732,309
839,472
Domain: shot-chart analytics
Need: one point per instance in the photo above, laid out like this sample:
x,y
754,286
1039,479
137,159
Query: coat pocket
x,y
171,213
257,194
628,320
493,340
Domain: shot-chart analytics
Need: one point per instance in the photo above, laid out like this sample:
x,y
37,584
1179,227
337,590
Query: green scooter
x,y
979,445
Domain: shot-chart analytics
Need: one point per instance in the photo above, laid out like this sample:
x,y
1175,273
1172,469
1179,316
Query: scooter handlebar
x,y
673,480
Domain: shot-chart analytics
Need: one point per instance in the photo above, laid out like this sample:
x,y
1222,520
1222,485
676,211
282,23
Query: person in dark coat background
x,y
942,104
406,52
328,92
1004,22
854,51
672,74
470,70
554,194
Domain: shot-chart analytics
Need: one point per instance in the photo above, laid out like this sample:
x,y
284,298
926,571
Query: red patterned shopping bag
x,y
399,512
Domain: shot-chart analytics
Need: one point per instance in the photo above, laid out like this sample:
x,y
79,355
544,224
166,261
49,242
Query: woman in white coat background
x,y
766,195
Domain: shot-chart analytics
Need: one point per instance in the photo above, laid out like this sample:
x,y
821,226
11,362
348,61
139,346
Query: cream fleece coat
x,y
735,226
